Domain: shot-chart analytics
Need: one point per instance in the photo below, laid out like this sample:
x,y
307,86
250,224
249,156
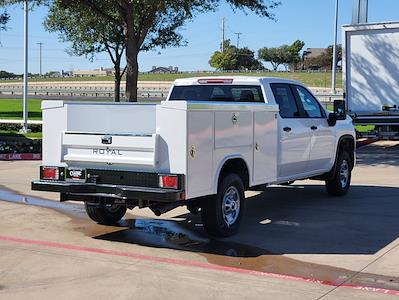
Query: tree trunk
x,y
132,66
117,84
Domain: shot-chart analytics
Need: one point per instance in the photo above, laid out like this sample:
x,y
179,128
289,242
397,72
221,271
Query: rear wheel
x,y
340,183
222,214
106,214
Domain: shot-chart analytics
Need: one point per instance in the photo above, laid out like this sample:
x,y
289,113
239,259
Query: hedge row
x,y
26,146
17,127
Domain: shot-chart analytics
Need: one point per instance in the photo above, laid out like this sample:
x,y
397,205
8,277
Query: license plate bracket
x,y
75,174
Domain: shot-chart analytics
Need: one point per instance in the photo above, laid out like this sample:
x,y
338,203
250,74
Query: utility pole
x,y
40,58
25,96
334,62
238,39
360,11
223,30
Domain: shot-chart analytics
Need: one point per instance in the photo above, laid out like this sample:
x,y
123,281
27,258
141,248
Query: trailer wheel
x,y
340,183
105,214
222,214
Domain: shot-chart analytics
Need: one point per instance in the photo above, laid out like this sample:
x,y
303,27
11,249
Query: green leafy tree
x,y
150,24
5,17
287,55
233,58
294,57
89,36
274,55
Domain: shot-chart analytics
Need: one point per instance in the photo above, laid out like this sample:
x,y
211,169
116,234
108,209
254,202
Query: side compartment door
x,y
294,136
265,147
199,179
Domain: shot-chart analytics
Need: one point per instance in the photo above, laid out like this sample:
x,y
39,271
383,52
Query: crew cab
x,y
212,139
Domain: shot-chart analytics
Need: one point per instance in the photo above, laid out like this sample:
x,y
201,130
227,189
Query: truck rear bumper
x,y
86,190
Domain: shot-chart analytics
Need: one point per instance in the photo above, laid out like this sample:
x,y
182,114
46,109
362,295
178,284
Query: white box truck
x,y
371,75
212,139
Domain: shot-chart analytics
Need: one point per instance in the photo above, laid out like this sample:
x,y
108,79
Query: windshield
x,y
230,93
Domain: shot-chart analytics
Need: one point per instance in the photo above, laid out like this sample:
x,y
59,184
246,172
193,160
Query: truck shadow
x,y
300,219
379,154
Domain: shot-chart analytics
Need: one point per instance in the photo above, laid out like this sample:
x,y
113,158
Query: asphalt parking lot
x,y
296,242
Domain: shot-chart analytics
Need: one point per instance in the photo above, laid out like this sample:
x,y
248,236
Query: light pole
x,y
40,58
238,39
25,96
334,62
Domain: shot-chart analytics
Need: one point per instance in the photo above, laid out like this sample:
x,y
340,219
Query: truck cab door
x,y
322,136
294,136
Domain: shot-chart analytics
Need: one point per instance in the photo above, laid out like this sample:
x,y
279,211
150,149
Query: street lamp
x,y
25,93
334,62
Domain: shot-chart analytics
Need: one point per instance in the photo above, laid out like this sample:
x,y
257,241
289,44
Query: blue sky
x,y
309,20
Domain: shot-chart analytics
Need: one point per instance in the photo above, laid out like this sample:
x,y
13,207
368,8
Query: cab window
x,y
310,105
286,100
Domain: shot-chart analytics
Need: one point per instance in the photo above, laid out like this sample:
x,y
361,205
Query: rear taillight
x,y
168,181
50,173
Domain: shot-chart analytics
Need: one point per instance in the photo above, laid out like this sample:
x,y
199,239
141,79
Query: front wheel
x,y
222,214
340,183
105,214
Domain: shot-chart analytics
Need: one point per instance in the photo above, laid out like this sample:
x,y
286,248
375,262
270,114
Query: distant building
x,y
164,70
309,58
66,73
89,73
53,74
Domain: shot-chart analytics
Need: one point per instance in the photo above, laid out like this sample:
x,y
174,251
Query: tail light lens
x,y
50,173
168,181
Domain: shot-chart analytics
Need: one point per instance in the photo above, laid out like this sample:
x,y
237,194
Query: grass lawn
x,y
365,128
315,79
12,109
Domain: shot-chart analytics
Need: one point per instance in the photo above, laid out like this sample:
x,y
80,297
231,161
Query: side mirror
x,y
339,110
331,120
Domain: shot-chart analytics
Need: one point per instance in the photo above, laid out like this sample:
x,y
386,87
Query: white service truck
x,y
212,139
371,76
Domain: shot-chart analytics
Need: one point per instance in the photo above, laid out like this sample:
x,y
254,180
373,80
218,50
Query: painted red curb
x,y
21,156
188,263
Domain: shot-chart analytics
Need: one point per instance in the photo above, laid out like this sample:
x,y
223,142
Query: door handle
x,y
287,129
313,127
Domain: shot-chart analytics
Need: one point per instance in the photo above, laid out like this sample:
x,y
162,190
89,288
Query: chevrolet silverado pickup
x,y
212,139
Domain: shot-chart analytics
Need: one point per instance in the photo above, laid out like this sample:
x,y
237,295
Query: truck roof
x,y
244,80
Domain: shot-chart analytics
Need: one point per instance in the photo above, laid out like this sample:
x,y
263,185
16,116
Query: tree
x,y
234,58
149,24
4,17
293,54
283,55
89,35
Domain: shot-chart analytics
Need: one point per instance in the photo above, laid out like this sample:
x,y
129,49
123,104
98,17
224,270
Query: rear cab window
x,y
212,92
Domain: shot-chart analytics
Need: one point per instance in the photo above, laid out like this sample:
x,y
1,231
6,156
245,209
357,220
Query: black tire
x,y
219,220
338,185
103,214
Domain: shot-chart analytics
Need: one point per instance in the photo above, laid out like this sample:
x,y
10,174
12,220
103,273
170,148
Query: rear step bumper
x,y
106,190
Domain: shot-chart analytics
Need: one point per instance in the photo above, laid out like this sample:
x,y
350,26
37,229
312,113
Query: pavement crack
x,y
358,272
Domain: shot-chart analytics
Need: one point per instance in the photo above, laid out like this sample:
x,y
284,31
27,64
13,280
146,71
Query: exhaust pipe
x,y
160,209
